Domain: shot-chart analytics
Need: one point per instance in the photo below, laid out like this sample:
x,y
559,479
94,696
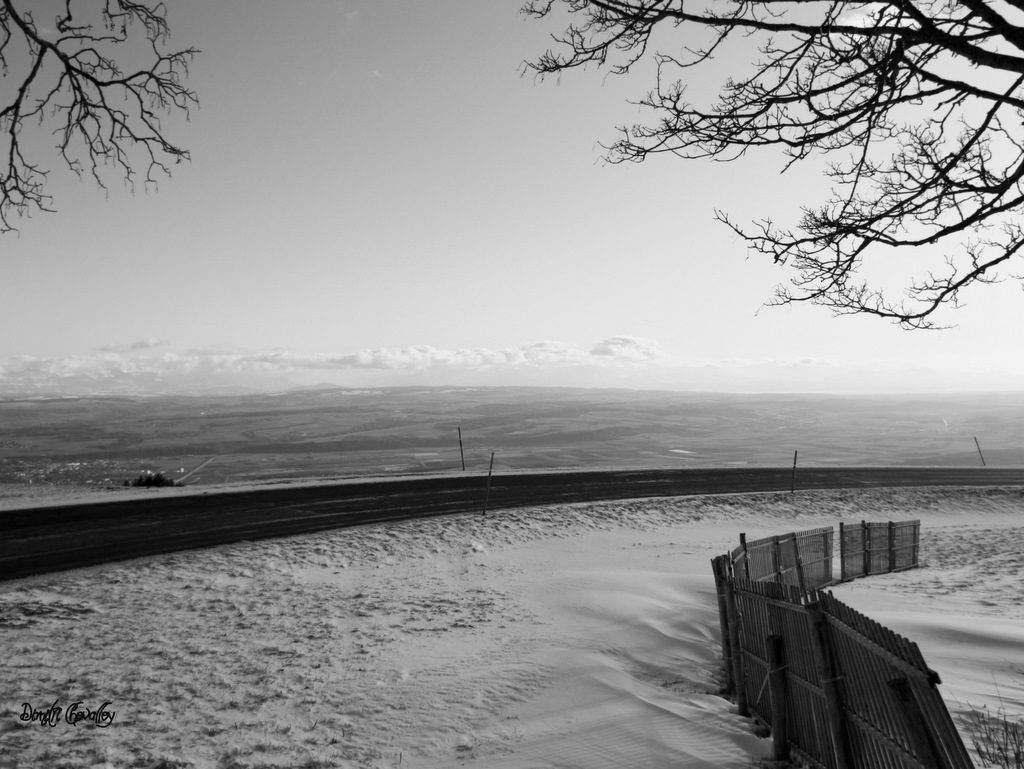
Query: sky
x,y
377,196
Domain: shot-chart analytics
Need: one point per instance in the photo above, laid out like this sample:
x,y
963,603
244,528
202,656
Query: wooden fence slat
x,y
880,709
946,737
828,680
917,729
836,708
869,546
875,648
775,557
739,684
718,567
892,546
882,752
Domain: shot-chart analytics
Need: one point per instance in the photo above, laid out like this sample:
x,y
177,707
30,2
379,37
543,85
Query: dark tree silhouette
x,y
149,480
91,79
917,104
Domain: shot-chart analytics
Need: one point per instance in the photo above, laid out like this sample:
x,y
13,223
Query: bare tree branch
x,y
919,104
104,118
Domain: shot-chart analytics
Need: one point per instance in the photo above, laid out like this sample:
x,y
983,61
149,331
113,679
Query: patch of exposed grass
x,y
997,739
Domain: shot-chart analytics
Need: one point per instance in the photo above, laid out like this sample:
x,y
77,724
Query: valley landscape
x,y
101,441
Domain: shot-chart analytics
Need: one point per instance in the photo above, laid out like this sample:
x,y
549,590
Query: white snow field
x,y
560,636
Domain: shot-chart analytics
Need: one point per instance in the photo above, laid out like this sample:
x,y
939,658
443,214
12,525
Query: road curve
x,y
41,540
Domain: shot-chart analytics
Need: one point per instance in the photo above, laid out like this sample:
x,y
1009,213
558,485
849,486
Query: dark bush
x,y
149,479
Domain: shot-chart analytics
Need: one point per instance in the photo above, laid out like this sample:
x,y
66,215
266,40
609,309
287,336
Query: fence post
x,y
776,559
892,546
777,684
721,577
487,496
866,539
800,572
462,454
738,675
842,552
924,747
829,539
798,562
916,544
827,677
746,556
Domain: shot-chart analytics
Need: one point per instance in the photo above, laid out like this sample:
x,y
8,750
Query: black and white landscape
x,y
257,257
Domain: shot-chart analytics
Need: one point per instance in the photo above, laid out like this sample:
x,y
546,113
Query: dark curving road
x,y
41,540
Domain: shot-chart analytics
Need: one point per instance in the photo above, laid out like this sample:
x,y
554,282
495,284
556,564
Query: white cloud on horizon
x,y
627,348
118,367
618,361
622,351
143,344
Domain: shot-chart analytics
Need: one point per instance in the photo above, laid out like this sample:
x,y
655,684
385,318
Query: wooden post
x,y
776,559
797,563
916,544
829,539
792,483
842,552
777,685
827,678
746,556
718,567
866,539
979,452
924,747
487,496
738,675
462,454
892,546
800,580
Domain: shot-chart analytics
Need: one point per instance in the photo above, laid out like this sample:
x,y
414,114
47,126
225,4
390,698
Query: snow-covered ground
x,y
560,636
